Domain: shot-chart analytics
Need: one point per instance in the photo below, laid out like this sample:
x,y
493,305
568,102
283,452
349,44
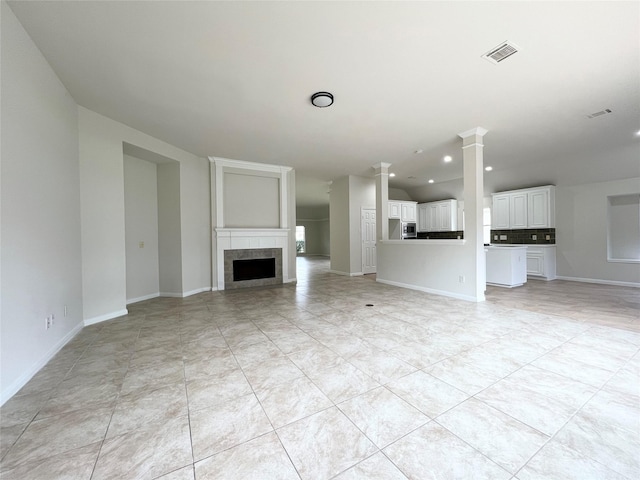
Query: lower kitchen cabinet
x,y
541,261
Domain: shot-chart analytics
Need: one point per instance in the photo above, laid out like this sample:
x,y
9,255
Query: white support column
x,y
382,200
473,164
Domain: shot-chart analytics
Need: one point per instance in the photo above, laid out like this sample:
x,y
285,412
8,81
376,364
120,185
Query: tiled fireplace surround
x,y
251,254
232,243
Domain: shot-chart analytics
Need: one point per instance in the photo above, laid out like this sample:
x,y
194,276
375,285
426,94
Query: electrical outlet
x,y
495,237
503,237
141,244
534,237
48,322
548,238
53,317
461,278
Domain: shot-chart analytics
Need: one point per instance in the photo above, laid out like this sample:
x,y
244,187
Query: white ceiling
x,y
233,79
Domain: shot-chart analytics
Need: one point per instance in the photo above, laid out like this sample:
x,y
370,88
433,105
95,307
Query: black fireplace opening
x,y
254,269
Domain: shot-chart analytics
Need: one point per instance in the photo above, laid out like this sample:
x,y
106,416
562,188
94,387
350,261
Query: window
x,y
486,224
300,239
623,228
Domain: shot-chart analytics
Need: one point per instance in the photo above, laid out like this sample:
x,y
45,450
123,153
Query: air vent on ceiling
x,y
502,51
600,113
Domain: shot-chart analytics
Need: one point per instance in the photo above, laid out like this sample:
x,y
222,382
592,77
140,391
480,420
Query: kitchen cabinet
x,y
506,266
394,210
500,212
408,210
541,261
526,208
438,216
403,211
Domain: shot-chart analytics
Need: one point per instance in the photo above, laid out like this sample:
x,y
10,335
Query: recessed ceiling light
x,y
638,133
489,168
418,151
447,158
392,174
431,180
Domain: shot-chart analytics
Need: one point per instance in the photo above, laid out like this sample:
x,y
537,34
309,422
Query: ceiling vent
x,y
499,53
600,113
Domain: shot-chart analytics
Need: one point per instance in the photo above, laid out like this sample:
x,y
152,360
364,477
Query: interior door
x,y
368,234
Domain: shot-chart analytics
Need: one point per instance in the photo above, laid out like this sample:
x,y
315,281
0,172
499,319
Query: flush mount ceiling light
x,y
489,168
447,158
392,174
322,99
431,180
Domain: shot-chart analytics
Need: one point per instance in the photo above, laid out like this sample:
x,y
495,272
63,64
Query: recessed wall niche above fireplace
x,y
257,267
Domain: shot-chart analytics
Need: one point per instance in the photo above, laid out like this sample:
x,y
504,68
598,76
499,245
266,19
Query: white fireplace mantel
x,y
250,237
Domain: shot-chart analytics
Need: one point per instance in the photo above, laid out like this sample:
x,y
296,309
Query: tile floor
x,y
306,382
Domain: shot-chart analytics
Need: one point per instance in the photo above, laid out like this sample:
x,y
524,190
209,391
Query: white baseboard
x,y
346,274
196,291
171,294
291,280
143,298
15,387
434,291
599,281
214,289
105,317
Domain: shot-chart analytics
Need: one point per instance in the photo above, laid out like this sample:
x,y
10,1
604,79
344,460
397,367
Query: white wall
x,y
40,218
581,233
103,222
399,194
141,225
348,195
362,193
339,225
169,236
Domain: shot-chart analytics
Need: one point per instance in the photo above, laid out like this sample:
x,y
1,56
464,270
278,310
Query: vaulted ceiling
x,y
233,79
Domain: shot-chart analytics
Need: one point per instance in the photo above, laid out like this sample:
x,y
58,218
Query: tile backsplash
x,y
459,234
527,236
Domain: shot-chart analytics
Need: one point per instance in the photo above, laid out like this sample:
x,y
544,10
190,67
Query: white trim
x,y
105,317
312,219
171,294
214,289
432,290
599,281
20,382
474,131
473,145
291,280
196,291
143,298
262,167
346,274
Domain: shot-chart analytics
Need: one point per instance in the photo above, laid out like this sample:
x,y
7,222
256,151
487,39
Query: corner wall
x,y
40,210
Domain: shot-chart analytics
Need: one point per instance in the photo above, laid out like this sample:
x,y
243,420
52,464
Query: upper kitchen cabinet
x,y
394,210
408,211
526,208
403,211
438,216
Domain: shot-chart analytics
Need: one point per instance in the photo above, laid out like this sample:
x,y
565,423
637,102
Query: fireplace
x,y
255,267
